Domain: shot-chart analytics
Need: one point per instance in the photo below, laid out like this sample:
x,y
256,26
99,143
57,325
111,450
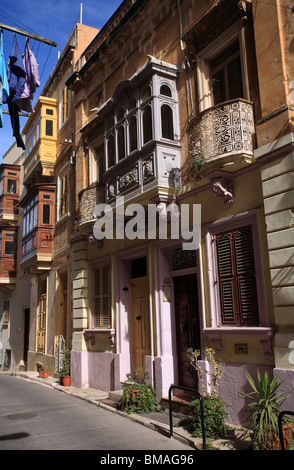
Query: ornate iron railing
x,y
88,199
223,130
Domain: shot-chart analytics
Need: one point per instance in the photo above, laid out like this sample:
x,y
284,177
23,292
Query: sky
x,y
53,20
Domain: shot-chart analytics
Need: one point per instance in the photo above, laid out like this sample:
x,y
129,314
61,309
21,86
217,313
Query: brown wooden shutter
x,y
245,271
236,271
102,297
226,278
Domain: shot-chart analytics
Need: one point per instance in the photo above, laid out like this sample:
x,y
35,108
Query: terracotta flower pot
x,y
45,375
287,437
41,374
66,381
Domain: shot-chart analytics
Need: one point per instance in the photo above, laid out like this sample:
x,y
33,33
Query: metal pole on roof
x,y
81,13
29,35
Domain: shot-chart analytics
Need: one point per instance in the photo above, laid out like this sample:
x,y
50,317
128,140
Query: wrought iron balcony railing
x,y
221,135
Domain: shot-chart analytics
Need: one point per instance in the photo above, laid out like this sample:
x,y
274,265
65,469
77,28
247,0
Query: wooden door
x,y
187,326
140,337
41,324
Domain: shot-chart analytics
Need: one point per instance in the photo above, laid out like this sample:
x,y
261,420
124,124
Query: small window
x,y
139,267
49,112
11,186
167,122
9,247
133,144
121,142
147,124
110,151
165,90
46,214
49,128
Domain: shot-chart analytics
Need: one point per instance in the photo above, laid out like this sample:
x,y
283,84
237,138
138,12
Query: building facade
x,y
187,104
37,221
174,112
14,284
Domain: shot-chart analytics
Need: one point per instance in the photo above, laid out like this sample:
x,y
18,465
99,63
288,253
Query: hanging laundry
x,y
16,79
4,88
32,80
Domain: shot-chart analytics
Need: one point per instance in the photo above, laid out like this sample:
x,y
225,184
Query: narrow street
x,y
37,417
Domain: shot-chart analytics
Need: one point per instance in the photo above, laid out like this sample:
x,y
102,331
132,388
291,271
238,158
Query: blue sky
x,y
52,20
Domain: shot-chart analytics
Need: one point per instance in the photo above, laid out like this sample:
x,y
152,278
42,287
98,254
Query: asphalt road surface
x,y
37,417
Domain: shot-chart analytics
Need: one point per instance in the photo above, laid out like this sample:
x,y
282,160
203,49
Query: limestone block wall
x,y
278,190
79,293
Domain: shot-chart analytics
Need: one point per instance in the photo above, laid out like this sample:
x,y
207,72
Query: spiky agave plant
x,y
264,408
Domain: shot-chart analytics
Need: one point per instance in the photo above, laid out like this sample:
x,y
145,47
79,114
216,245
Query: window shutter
x,y
237,284
102,297
226,278
246,276
106,297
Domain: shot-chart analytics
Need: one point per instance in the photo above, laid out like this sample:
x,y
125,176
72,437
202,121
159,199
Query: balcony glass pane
x,y
147,124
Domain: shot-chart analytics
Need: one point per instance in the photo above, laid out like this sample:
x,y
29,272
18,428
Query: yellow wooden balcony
x,y
41,139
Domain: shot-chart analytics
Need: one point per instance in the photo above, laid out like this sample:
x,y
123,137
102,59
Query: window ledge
x,y
263,334
91,333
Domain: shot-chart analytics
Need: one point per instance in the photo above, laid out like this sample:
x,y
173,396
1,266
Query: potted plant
x,y
64,371
213,405
264,409
43,374
138,396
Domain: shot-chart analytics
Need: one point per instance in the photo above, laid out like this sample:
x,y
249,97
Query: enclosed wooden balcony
x,y
8,248
9,194
222,137
38,228
41,140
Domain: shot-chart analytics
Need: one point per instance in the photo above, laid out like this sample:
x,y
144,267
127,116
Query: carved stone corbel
x,y
93,241
222,185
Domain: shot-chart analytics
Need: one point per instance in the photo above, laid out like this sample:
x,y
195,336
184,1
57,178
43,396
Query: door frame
x,y
184,272
180,351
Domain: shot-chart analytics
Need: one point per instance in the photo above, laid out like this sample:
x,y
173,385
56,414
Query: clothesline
x,y
19,82
27,34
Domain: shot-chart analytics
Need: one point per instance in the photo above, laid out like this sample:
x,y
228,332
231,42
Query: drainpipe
x,y
187,64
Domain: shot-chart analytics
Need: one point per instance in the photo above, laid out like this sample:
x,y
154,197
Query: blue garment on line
x,y
16,72
4,87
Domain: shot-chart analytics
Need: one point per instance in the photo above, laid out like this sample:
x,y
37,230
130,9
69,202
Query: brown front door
x,y
140,338
187,326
